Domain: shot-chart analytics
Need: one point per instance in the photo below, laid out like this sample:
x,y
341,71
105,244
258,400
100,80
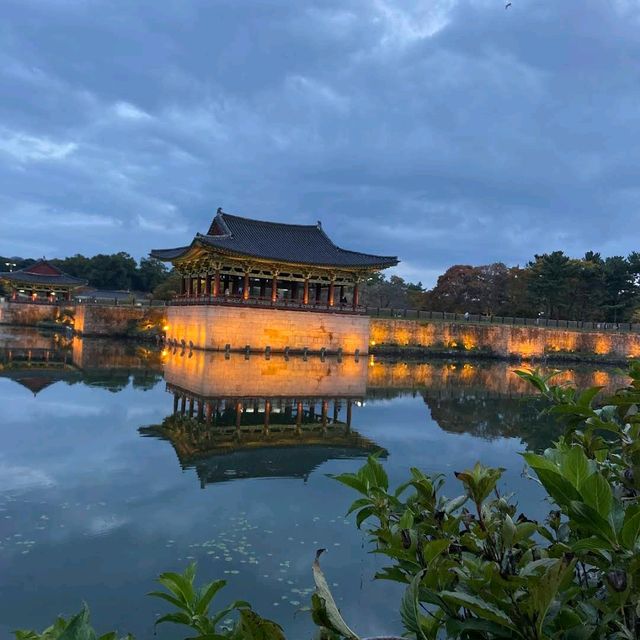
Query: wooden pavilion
x,y
245,261
41,282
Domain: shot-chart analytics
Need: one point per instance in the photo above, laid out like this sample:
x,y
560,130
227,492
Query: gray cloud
x,y
444,131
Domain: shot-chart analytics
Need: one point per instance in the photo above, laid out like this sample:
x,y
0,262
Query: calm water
x,y
103,483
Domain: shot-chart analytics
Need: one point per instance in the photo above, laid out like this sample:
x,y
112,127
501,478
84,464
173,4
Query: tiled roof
x,y
42,272
302,244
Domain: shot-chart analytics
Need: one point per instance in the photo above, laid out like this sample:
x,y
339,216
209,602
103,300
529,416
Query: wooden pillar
x,y
238,414
349,408
191,283
341,294
305,293
198,286
335,411
245,288
332,288
227,284
191,407
68,295
175,403
318,292
356,296
200,410
207,285
267,415
183,285
274,288
183,404
325,409
299,413
216,283
208,408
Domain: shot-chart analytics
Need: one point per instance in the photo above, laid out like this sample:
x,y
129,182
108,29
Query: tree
x,y
549,282
169,287
620,288
150,274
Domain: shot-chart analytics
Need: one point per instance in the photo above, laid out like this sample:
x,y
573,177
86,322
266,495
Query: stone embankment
x,y
88,320
214,327
501,341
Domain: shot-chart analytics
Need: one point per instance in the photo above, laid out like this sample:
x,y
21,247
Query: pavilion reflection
x,y
39,359
236,417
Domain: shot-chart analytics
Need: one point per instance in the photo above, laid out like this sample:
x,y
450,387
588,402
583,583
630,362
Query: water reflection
x,y
239,418
84,496
39,359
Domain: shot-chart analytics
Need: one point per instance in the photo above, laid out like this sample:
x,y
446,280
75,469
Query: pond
x,y
119,462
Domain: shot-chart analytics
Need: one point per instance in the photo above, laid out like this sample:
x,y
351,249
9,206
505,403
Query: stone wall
x,y
28,315
503,341
213,327
99,320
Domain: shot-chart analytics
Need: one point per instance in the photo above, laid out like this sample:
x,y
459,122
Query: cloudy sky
x,y
443,131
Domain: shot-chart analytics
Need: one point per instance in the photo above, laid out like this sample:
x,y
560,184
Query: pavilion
x,y
245,261
41,281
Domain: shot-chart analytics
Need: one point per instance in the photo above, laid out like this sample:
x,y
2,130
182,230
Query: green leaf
x,y
179,585
631,527
433,548
479,607
168,597
206,595
455,503
363,514
176,618
589,520
560,489
596,492
253,627
78,627
406,521
352,481
379,474
358,504
410,608
575,466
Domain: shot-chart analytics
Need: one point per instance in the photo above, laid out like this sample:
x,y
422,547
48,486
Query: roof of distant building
x,y
293,243
42,272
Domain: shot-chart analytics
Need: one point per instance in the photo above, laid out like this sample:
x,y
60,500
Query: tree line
x,y
117,271
552,285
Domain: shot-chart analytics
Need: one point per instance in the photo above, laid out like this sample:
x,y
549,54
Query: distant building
x,y
41,281
252,261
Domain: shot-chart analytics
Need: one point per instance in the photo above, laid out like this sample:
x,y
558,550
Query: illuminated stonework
x,y
214,327
503,340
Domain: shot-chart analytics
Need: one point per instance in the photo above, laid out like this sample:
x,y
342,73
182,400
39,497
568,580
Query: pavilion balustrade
x,y
304,293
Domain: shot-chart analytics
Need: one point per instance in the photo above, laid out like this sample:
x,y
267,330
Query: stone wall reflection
x,y
212,374
490,378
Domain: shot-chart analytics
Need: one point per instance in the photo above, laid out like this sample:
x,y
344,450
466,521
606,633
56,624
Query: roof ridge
x,y
360,253
269,222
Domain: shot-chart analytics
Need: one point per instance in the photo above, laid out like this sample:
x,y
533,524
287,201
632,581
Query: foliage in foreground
x,y
473,568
